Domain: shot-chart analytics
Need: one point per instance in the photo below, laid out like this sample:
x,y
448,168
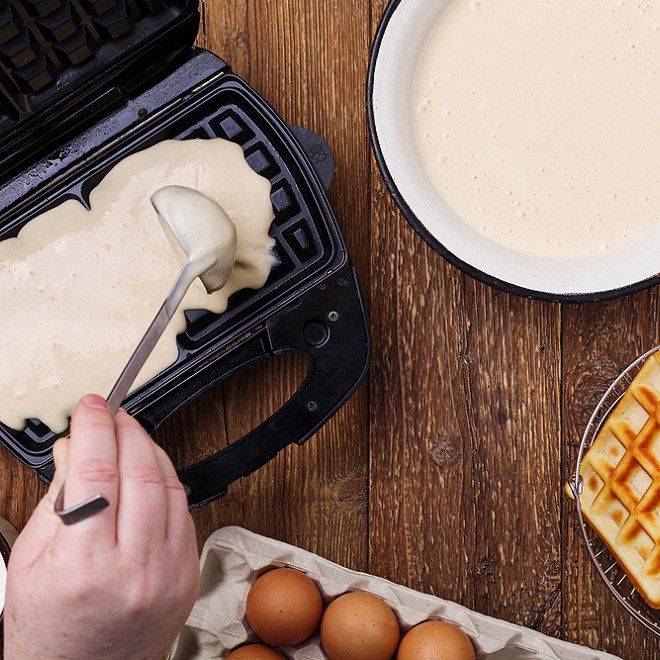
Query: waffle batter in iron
x,y
80,287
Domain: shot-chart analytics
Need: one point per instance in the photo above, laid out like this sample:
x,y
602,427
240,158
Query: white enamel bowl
x,y
402,33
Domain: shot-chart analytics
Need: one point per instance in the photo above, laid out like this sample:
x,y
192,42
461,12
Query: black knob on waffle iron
x,y
316,333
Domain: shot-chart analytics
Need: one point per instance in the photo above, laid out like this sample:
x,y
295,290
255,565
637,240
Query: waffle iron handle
x,y
329,325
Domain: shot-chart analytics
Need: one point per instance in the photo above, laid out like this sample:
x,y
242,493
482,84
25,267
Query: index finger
x,y
92,470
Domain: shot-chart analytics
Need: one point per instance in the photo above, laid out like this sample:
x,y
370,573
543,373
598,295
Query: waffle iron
x,y
85,83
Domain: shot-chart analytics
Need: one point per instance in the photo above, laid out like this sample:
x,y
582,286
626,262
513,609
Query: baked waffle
x,y
621,482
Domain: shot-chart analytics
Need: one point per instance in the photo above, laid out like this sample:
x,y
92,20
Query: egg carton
x,y
233,558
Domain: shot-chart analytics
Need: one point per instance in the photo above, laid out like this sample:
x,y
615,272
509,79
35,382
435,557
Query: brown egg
x,y
436,640
255,652
284,607
359,626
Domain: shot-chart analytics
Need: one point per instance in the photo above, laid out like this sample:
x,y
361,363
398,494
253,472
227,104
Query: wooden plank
x,y
422,502
599,341
511,380
465,426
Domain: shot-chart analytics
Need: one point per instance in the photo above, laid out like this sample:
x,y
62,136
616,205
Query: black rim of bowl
x,y
421,229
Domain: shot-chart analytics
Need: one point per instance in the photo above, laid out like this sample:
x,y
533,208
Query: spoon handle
x,y
189,272
151,337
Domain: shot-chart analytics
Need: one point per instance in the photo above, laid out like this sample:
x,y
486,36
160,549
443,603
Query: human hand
x,y
120,584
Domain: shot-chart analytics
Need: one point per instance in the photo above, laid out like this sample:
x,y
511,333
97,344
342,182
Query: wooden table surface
x,y
444,472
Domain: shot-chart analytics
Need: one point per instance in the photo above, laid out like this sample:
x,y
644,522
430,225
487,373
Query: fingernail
x,y
95,401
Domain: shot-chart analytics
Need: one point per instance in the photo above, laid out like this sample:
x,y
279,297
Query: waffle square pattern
x,y
621,482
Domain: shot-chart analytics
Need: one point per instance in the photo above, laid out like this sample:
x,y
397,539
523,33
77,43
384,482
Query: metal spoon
x,y
208,238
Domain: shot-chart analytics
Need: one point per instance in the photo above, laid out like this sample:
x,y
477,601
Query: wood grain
x,y
444,472
464,428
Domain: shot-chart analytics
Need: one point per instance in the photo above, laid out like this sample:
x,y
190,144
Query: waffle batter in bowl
x,y
521,138
79,287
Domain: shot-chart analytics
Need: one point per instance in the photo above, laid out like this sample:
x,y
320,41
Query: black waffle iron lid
x,y
64,62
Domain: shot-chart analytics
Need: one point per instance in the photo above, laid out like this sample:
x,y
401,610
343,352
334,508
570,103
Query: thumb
x,y
43,523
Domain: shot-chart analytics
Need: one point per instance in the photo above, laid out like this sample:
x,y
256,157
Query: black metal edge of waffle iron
x,y
311,303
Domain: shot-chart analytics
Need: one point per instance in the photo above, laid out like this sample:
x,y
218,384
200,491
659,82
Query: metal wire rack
x,y
606,565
